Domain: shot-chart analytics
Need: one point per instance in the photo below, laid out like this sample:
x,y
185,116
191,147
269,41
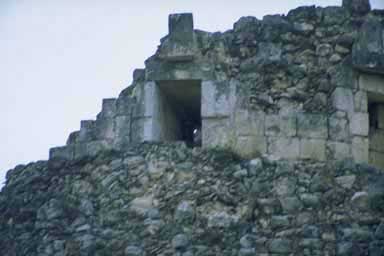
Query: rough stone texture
x,y
167,199
308,75
289,104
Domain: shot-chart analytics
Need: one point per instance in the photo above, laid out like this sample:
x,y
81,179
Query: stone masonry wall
x,y
292,87
167,199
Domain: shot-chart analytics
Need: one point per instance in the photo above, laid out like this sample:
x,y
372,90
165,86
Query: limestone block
x,y
359,124
251,146
80,150
280,125
95,147
338,150
312,149
216,99
342,99
312,126
361,101
357,6
360,148
380,115
87,128
64,153
216,132
248,122
150,99
180,43
376,140
104,129
376,159
108,108
122,129
338,128
286,148
371,83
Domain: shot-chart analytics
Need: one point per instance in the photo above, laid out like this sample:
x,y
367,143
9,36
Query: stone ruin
x,y
308,85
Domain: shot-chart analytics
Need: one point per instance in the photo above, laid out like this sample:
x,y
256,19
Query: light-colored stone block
x,y
312,126
312,149
281,125
361,101
342,99
338,128
149,98
360,149
216,133
65,153
371,83
216,99
251,146
359,124
286,148
339,150
248,122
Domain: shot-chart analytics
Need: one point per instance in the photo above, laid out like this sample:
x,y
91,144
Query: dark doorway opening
x,y
376,129
179,111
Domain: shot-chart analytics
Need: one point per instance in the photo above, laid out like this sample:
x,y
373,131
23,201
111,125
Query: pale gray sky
x,y
59,58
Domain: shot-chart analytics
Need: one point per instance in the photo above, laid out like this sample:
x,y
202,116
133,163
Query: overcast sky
x,y
59,58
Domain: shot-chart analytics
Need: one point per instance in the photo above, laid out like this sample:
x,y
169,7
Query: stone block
x,y
361,101
338,150
249,122
108,109
357,6
376,140
371,83
150,99
338,128
360,149
217,99
180,25
359,124
342,99
95,147
122,129
312,149
380,116
180,43
286,148
216,132
280,125
251,146
63,153
312,126
87,129
104,129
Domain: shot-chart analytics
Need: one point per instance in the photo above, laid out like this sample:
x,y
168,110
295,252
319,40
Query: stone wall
x,y
167,199
293,86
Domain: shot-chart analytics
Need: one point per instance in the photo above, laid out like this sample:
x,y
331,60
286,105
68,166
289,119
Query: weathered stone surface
x,y
359,124
286,148
312,149
312,126
360,149
357,6
342,99
368,51
280,125
289,92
